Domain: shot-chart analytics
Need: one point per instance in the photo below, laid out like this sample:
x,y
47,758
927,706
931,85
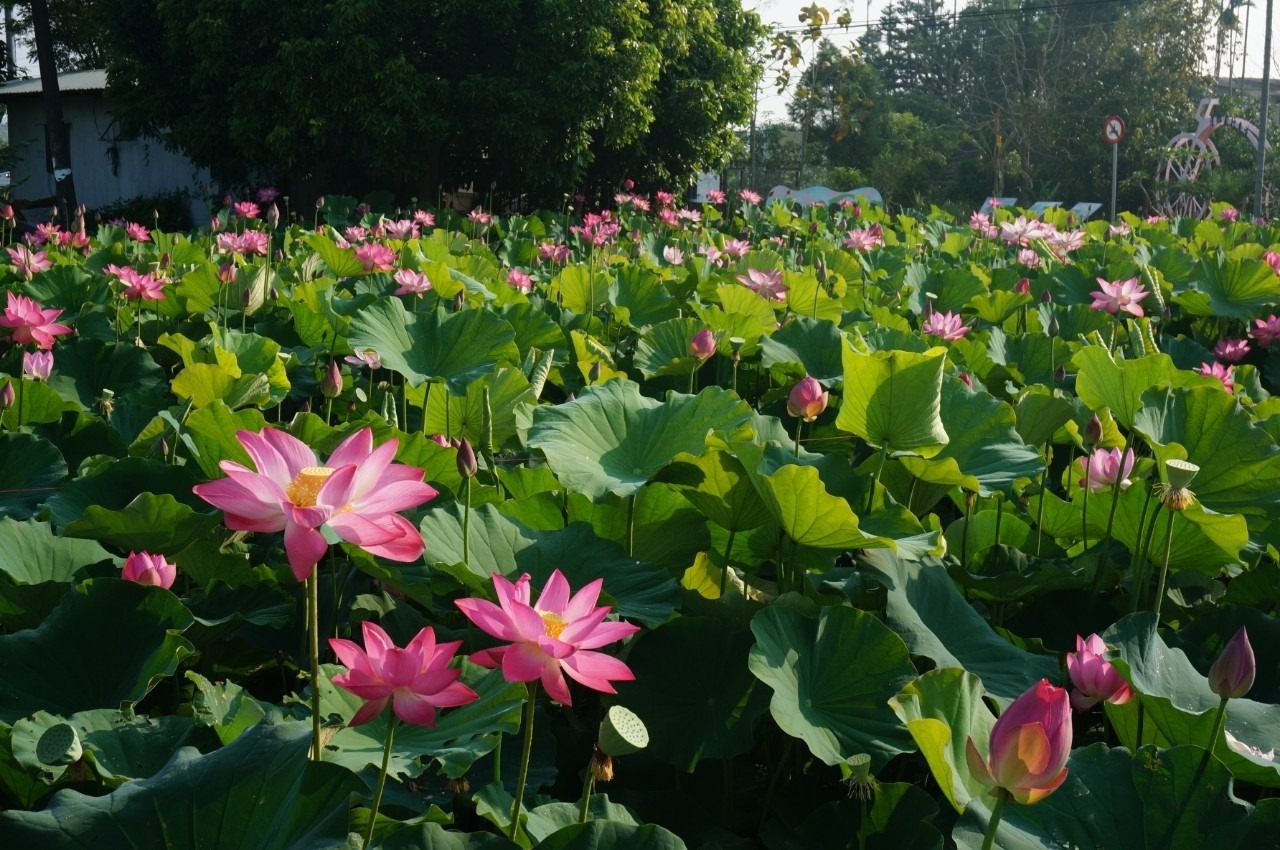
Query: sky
x,y
773,107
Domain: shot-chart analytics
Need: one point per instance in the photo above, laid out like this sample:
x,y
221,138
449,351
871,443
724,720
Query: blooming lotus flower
x,y
766,284
551,252
737,248
673,255
1231,676
29,263
37,365
1272,259
807,399
1117,295
520,280
1093,676
479,216
749,197
146,568
267,194
1225,374
1107,468
1229,214
1120,228
27,322
137,232
411,283
981,224
404,229
247,209
1029,746
949,326
703,344
376,257
357,496
864,238
716,196
366,357
552,638
138,286
1022,231
1065,241
1266,331
1231,350
416,680
422,218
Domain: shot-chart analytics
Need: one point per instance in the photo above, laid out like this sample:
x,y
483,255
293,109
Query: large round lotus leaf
x,y
108,643
642,298
1112,798
809,514
611,439
211,435
1235,289
927,610
38,403
719,487
1104,382
893,400
33,469
611,835
30,553
117,484
832,678
985,454
84,368
433,836
1239,462
453,348
806,346
693,691
1178,706
942,710
463,415
664,348
260,791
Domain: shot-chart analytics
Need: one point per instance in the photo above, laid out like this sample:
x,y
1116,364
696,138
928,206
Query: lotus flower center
x,y
305,487
553,623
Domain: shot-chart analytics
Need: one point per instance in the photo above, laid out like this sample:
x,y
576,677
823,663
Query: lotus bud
x,y
964,377
1046,297
1053,328
1093,677
37,365
1231,676
7,395
467,466
1092,432
807,400
331,384
1059,374
1029,746
703,344
440,440
320,202
273,217
1023,287
145,568
459,301
593,374
822,269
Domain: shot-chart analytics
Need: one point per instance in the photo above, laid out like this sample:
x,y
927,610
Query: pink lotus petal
x,y
595,670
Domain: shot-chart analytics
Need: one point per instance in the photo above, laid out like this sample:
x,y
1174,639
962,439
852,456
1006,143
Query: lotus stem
x,y
313,628
728,549
996,814
1164,569
1044,481
1101,572
466,521
588,785
426,397
382,780
783,758
1084,508
799,426
871,496
631,524
1145,534
527,750
999,516
969,499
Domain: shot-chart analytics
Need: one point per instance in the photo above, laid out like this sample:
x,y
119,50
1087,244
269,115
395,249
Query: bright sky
x,y
786,13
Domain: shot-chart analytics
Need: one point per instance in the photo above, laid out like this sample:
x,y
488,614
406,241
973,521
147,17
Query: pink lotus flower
x,y
1225,374
28,263
693,216
137,232
365,357
1093,677
1022,231
37,365
1120,228
404,229
807,399
422,218
703,344
551,252
766,284
27,322
1272,259
1231,350
1029,258
479,216
357,496
1229,214
749,197
376,257
716,196
1108,468
673,255
138,286
267,194
713,254
668,217
554,637
949,326
145,568
981,224
664,199
1232,674
416,680
737,248
1029,746
247,209
1266,331
520,280
1117,295
411,283
864,239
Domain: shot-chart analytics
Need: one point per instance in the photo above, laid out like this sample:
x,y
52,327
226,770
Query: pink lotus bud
x,y
1023,287
703,344
1029,746
1093,676
807,399
440,440
37,365
331,384
7,395
1231,676
964,376
467,466
1092,432
273,217
145,568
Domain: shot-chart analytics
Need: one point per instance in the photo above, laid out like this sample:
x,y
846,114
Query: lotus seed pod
x,y
59,745
622,732
1180,473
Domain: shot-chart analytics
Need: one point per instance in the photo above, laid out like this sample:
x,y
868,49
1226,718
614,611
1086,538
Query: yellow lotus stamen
x,y
305,487
553,623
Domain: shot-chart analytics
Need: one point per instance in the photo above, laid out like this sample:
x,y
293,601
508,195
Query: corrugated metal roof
x,y
72,81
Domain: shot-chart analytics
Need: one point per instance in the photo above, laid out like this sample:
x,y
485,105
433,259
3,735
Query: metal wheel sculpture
x,y
1192,154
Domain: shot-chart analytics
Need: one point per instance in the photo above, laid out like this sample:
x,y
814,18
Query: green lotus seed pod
x,y
1180,472
59,745
622,732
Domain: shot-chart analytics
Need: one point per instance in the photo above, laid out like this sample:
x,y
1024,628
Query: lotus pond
x,y
734,526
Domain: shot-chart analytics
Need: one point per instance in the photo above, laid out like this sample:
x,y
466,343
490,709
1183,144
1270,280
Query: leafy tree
x,y
341,95
75,29
843,101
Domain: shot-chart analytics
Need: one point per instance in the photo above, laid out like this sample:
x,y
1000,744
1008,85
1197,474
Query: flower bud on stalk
x,y
1232,675
331,384
467,465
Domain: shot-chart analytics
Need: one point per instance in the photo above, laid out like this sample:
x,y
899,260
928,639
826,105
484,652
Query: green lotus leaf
x,y
1234,289
224,706
927,610
465,412
611,439
893,400
1114,798
33,469
611,835
985,454
807,347
453,348
319,317
1118,386
809,514
341,262
694,692
1179,707
1027,358
121,749
84,368
832,677
642,298
1239,462
717,484
30,553
1040,415
581,289
37,403
149,523
667,531
108,643
664,348
942,710
433,836
210,432
259,791
552,817
807,297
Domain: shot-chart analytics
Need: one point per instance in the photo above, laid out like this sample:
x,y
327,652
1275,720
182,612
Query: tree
x,y
342,95
842,99
75,31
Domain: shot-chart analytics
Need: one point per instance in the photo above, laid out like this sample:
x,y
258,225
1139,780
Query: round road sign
x,y
1113,129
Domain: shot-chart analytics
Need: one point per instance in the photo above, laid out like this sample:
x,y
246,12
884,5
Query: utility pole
x,y
1262,122
10,43
55,128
